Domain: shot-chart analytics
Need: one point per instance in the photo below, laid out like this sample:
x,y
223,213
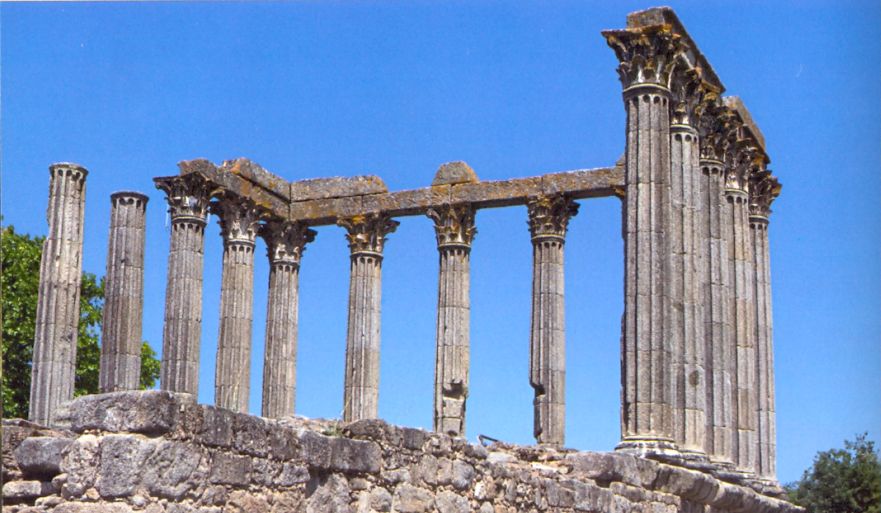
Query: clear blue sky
x,y
515,89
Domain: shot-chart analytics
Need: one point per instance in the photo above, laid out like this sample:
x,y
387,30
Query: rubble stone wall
x,y
160,452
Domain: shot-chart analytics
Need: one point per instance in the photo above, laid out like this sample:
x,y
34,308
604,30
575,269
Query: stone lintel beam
x,y
664,16
579,184
749,129
330,199
236,178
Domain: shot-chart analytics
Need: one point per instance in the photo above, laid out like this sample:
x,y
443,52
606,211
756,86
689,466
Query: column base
x,y
649,447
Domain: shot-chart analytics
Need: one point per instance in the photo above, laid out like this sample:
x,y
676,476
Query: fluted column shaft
x,y
182,332
742,315
58,296
123,294
366,236
715,277
454,228
763,189
238,221
548,220
647,58
685,327
285,244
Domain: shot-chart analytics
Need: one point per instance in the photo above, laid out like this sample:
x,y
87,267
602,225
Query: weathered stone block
x,y
80,464
22,490
410,499
283,443
122,463
230,469
413,438
355,456
217,427
41,456
245,502
150,412
453,173
85,507
336,187
292,474
449,502
171,470
250,434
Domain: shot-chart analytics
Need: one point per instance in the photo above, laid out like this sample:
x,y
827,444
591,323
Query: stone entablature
x,y
696,347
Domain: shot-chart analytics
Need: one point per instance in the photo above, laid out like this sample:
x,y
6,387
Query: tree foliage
x,y
841,480
19,283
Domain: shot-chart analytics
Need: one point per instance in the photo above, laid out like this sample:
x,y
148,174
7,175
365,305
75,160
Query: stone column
x,y
58,297
454,227
285,243
742,307
548,220
238,227
647,57
685,328
123,294
366,236
182,332
764,188
715,280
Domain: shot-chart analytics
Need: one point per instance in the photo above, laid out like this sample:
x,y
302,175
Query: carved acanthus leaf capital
x,y
286,241
549,215
187,196
453,225
366,233
647,55
717,128
742,162
764,189
691,96
239,219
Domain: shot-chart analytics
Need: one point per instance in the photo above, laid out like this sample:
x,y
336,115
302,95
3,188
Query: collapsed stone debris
x,y
697,413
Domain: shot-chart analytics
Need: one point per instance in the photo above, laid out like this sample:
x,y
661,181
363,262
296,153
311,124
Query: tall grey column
x,y
742,307
454,228
188,204
715,279
285,244
548,220
238,227
123,294
646,58
58,297
366,236
764,188
685,328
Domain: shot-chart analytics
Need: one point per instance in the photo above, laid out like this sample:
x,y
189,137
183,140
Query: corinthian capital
x,y
187,196
366,233
453,225
285,240
691,96
647,55
239,219
549,215
740,164
764,189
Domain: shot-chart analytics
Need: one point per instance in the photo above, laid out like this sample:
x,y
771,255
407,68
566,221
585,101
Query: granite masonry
x,y
698,432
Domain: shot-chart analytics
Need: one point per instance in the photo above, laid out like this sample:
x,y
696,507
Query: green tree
x,y
841,480
19,282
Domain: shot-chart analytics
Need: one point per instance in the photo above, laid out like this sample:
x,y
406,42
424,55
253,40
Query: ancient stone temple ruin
x,y
697,412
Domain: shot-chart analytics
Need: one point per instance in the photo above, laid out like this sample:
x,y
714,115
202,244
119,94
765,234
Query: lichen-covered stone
x,y
41,456
121,464
150,412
